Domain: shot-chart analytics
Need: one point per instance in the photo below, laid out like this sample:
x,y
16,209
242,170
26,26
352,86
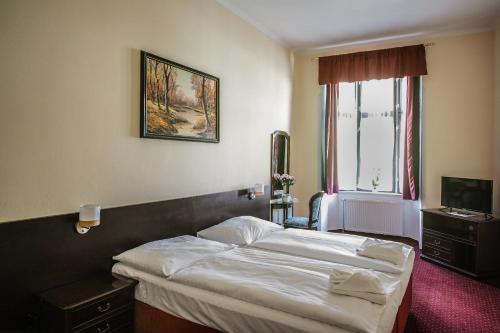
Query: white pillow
x,y
241,230
167,256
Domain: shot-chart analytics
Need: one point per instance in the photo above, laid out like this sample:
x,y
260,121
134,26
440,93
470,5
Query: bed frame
x,y
151,320
43,253
404,309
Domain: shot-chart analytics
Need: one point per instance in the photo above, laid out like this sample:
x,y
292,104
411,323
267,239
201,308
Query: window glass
x,y
346,134
402,122
372,161
376,135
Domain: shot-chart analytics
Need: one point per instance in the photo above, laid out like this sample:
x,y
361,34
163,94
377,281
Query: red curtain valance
x,y
373,65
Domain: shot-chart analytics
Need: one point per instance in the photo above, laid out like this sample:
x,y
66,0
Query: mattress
x,y
228,314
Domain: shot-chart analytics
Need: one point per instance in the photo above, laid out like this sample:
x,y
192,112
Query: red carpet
x,y
448,302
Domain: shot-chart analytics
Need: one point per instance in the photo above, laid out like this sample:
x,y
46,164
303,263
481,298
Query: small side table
x,y
99,304
285,206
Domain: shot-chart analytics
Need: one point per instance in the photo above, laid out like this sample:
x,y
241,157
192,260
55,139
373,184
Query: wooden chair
x,y
311,223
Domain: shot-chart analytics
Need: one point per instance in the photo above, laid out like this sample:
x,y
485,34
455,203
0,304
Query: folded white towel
x,y
362,283
383,250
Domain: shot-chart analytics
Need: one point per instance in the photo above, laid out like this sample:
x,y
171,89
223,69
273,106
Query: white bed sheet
x,y
228,314
333,247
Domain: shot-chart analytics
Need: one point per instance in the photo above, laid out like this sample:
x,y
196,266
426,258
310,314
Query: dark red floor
x,y
447,301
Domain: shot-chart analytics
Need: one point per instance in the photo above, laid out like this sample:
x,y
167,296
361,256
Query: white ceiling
x,y
310,24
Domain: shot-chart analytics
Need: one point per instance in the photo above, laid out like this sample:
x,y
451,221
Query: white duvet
x,y
166,256
296,285
332,247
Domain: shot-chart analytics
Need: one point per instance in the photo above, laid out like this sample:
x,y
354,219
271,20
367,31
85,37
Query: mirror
x,y
280,157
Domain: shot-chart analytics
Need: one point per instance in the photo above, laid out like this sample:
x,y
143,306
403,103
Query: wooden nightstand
x,y
103,304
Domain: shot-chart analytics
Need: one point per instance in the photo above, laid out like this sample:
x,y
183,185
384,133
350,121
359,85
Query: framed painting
x,y
178,102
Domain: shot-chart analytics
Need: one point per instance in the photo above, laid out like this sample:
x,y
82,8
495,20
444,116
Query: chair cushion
x,y
297,221
316,205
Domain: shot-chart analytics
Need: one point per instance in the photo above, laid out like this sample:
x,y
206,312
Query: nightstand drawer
x,y
101,307
120,322
78,306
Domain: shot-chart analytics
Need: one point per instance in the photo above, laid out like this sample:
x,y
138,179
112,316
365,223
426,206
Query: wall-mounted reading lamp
x,y
257,190
90,216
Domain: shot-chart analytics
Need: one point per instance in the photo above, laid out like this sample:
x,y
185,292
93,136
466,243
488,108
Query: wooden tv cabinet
x,y
470,245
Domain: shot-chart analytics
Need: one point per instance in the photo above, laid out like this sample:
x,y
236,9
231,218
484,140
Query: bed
x,y
255,289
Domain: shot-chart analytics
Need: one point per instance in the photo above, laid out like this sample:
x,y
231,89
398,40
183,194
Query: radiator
x,y
380,217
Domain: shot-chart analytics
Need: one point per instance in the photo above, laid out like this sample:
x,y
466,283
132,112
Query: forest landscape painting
x,y
178,102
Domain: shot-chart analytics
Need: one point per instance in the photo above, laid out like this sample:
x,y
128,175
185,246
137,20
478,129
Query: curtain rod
x,y
426,45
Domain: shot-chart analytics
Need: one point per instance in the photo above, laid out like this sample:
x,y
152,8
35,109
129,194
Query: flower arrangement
x,y
376,179
284,179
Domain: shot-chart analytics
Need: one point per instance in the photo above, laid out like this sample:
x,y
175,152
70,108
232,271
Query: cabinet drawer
x,y
452,226
437,253
461,256
120,322
101,307
437,242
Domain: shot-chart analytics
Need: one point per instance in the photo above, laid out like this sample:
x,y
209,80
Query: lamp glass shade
x,y
259,189
90,215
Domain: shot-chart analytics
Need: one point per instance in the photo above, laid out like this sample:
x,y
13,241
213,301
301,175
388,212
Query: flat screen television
x,y
464,193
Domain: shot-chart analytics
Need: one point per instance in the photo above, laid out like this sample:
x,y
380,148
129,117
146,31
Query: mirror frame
x,y
286,136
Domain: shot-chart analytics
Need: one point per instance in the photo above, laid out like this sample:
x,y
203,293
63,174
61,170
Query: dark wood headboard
x,y
42,253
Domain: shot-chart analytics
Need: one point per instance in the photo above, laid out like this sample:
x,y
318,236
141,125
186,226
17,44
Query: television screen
x,y
463,193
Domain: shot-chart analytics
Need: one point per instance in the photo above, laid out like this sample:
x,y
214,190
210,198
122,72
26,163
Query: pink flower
x,y
284,179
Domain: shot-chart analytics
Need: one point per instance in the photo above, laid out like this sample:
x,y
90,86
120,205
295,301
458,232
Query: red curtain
x,y
411,168
330,181
399,62
373,65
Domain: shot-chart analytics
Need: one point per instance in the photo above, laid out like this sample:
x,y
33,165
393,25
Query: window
x,y
371,118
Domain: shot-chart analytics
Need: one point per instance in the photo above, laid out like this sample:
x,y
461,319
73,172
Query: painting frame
x,y
145,132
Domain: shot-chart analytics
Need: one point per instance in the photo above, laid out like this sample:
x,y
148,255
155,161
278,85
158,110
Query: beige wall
x,y
496,197
457,116
69,119
458,112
